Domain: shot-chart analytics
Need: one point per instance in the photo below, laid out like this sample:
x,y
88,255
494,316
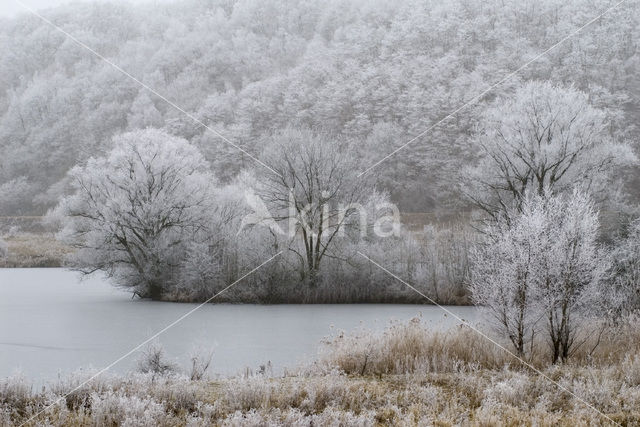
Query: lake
x,y
52,323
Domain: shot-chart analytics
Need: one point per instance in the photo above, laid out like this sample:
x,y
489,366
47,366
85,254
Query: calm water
x,y
52,323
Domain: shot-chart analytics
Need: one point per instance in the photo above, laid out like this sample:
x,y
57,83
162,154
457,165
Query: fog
x,y
11,8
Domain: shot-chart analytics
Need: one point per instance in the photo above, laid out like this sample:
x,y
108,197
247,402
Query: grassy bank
x,y
407,376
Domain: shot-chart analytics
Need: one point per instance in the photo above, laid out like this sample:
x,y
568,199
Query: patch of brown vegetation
x,y
34,250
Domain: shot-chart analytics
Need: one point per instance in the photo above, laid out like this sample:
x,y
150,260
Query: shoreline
x,y
411,376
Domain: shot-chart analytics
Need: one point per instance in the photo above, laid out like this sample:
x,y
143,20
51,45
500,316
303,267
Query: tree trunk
x,y
155,290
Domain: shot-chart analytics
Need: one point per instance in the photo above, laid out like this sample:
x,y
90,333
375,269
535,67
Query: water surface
x,y
52,323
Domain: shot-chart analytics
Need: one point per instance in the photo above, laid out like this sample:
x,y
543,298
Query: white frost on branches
x,y
544,137
626,268
138,211
543,269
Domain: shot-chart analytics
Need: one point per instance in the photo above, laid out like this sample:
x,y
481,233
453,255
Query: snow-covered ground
x,y
52,322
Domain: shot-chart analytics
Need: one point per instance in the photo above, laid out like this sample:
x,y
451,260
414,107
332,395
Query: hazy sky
x,y
9,8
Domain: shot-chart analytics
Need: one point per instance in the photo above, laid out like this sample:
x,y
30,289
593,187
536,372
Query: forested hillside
x,y
374,71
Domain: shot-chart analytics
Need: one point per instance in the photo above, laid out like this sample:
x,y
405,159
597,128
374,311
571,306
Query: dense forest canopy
x,y
379,72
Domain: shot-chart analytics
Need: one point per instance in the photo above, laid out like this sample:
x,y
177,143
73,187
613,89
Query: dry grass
x,y
411,347
34,250
408,375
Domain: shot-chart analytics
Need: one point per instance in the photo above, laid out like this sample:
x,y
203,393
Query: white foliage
x,y
542,265
15,392
626,268
510,391
15,195
544,137
134,211
117,408
295,417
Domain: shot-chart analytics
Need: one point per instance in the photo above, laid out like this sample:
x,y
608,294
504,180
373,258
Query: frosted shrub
x,y
177,393
510,391
296,418
631,370
5,415
356,279
411,347
199,273
15,393
253,392
200,361
153,360
14,231
444,256
78,387
132,411
601,391
336,417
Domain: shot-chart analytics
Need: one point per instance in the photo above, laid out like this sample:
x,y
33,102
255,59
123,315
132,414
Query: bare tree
x,y
316,191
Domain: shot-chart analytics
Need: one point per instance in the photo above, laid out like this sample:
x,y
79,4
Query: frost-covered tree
x,y
574,285
544,137
542,268
144,113
135,212
314,193
625,274
506,273
15,196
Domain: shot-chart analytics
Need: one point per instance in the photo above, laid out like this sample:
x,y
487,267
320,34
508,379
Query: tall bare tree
x,y
316,191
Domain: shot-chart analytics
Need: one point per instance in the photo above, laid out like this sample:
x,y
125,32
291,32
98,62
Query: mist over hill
x,y
376,72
